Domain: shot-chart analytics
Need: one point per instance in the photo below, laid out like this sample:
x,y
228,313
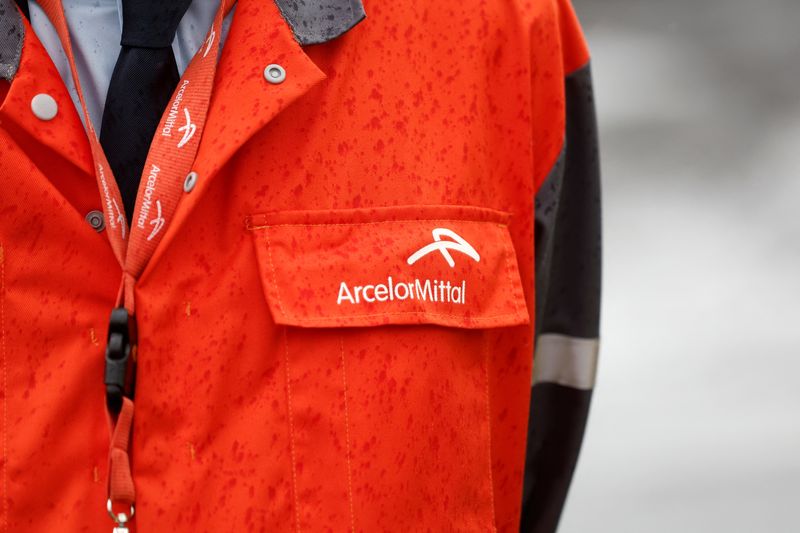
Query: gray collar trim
x,y
320,21
12,32
312,21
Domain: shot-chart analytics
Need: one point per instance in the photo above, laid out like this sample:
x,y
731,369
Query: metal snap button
x,y
44,106
274,73
96,220
190,182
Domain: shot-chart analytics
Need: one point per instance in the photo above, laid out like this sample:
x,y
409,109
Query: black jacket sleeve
x,y
568,261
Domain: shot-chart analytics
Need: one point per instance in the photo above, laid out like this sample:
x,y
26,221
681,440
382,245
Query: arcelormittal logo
x,y
458,244
187,130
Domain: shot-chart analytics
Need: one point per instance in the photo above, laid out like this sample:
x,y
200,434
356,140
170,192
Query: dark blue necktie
x,y
143,81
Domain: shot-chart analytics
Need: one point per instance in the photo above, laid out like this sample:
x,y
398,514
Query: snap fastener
x,y
274,73
44,106
190,181
96,220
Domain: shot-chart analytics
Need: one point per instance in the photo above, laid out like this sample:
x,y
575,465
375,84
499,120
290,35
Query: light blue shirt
x,y
95,27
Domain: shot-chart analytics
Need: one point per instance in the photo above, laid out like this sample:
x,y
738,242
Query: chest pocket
x,y
450,266
390,318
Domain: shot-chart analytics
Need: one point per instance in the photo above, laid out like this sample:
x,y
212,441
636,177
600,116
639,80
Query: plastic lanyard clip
x,y
120,371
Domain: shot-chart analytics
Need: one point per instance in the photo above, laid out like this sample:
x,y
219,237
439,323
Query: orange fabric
x,y
249,420
168,162
574,49
371,267
559,49
121,488
169,159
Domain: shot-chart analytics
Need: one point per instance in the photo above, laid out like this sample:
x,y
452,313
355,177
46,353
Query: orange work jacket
x,y
336,331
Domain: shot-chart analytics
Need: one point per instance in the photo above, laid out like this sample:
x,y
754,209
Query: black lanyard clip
x,y
120,372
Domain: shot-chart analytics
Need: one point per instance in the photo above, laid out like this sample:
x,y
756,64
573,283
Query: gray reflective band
x,y
11,34
564,360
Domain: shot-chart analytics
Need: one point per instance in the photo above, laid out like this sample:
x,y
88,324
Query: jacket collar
x,y
306,23
320,21
33,73
311,21
243,102
12,33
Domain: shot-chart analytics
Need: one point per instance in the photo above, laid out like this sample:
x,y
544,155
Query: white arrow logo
x,y
459,244
188,130
120,218
209,41
157,222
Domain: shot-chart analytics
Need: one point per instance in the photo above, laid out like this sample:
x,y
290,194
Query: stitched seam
x,y
347,439
274,273
489,424
423,314
5,383
291,431
265,226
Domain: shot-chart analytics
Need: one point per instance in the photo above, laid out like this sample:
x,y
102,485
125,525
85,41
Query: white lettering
x,y
364,293
458,293
405,288
381,293
147,199
166,130
109,208
344,294
425,290
424,293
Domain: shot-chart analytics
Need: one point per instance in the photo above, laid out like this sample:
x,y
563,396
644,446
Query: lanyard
x,y
168,165
168,162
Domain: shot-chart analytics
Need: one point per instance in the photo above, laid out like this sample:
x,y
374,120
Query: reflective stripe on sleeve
x,y
565,360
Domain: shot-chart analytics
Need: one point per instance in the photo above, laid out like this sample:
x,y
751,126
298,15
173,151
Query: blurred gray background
x,y
695,423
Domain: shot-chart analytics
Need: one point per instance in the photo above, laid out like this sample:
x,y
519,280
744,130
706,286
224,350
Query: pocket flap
x,y
446,265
